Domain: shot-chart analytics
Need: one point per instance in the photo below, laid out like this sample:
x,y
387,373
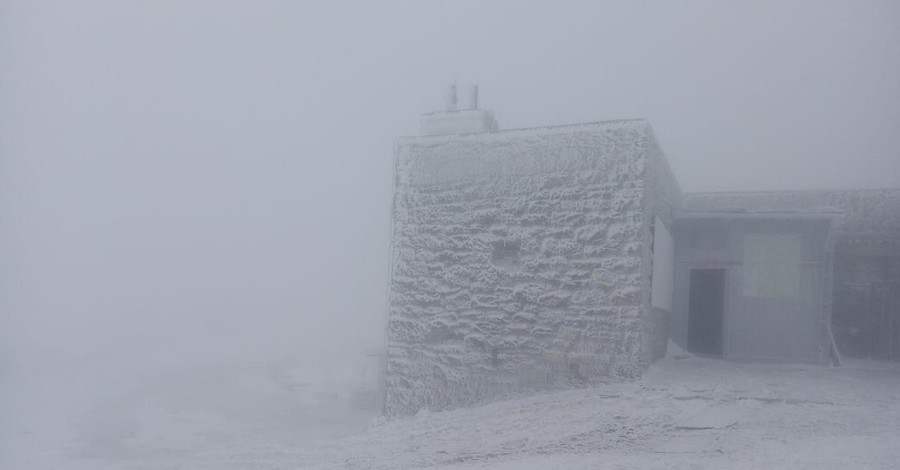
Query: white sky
x,y
212,178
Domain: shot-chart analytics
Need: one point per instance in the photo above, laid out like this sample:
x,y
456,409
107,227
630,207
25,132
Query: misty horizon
x,y
187,183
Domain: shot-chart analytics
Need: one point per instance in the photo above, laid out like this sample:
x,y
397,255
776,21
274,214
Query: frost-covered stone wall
x,y
519,261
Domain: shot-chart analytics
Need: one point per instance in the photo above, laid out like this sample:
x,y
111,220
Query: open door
x,y
706,311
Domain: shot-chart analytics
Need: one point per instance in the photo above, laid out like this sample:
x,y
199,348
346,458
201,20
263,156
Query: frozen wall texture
x,y
520,260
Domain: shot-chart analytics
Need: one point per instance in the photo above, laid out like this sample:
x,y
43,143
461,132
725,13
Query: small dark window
x,y
506,254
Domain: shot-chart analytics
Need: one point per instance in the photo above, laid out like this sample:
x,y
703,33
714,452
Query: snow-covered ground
x,y
686,412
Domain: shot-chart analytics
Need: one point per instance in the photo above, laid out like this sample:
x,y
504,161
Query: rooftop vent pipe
x,y
450,98
451,120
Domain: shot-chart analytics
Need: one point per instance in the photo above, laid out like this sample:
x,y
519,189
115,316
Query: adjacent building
x,y
861,263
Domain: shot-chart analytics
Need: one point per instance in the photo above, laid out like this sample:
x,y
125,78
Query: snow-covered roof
x,y
538,130
871,214
823,214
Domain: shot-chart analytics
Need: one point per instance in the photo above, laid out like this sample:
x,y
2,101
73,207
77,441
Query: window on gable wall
x,y
772,265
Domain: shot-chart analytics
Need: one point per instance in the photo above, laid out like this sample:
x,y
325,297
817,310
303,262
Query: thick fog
x,y
195,182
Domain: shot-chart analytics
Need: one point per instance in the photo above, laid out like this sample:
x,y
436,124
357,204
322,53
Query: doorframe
x,y
726,310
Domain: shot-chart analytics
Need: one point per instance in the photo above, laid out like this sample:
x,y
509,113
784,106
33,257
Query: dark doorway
x,y
706,311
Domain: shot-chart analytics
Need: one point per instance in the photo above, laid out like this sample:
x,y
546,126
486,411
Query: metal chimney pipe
x,y
450,98
473,97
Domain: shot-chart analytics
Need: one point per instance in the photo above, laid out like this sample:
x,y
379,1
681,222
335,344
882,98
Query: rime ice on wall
x,y
519,261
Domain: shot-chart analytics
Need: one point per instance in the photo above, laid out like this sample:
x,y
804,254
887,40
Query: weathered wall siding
x,y
517,262
663,197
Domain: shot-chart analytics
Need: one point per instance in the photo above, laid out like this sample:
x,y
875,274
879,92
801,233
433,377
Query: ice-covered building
x,y
544,257
523,258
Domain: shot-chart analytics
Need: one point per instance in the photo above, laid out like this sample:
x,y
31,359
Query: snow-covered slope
x,y
750,416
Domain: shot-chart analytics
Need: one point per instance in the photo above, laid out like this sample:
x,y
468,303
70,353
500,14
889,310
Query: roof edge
x,y
789,191
610,124
802,214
